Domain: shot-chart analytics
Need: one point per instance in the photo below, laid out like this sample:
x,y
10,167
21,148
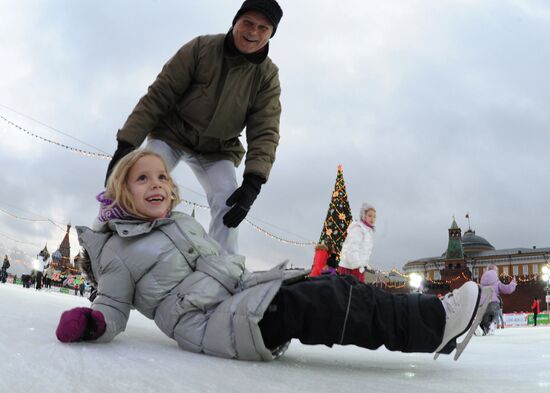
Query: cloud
x,y
432,108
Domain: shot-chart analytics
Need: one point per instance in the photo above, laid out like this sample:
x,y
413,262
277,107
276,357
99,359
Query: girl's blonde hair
x,y
117,185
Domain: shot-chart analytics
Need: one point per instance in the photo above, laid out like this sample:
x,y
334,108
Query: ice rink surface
x,y
142,359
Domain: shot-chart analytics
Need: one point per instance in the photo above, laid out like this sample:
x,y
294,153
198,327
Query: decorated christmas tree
x,y
338,215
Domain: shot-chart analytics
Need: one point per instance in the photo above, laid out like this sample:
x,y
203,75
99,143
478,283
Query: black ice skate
x,y
464,309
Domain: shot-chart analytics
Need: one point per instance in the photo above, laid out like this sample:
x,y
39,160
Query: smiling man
x,y
198,106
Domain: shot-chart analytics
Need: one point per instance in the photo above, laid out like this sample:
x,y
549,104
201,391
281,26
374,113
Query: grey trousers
x,y
218,181
490,316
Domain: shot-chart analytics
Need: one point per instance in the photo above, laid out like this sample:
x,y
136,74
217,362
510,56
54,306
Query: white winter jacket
x,y
357,247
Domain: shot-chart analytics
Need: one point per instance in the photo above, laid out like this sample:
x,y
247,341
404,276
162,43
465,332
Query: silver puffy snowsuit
x,y
171,271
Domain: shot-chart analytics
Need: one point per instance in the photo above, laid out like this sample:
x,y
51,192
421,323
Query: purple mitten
x,y
81,323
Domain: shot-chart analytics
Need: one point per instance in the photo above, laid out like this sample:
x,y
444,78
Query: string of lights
x,y
395,271
449,281
19,241
528,278
194,204
394,286
522,279
51,128
292,242
32,220
106,156
73,149
256,227
255,218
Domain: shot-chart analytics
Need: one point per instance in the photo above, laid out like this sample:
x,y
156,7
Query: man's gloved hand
x,y
242,199
122,149
80,324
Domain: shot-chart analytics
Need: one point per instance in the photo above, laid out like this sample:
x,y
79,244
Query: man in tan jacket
x,y
198,106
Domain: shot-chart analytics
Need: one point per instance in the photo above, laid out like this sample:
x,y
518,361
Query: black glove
x,y
242,199
122,149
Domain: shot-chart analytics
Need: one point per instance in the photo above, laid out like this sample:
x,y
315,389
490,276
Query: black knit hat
x,y
270,8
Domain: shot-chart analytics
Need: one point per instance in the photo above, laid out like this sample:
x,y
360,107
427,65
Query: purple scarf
x,y
110,211
329,271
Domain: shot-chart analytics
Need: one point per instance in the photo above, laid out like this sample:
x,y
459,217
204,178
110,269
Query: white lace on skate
x,y
464,308
450,304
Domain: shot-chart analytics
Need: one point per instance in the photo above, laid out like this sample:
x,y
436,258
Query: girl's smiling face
x,y
149,186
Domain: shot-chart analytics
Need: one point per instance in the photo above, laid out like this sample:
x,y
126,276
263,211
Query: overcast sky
x,y
434,109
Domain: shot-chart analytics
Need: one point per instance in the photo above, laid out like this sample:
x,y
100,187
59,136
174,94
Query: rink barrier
x,y
65,290
525,319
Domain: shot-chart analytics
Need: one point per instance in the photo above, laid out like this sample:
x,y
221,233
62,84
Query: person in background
x,y
4,271
357,248
331,268
38,280
535,307
490,279
48,274
323,251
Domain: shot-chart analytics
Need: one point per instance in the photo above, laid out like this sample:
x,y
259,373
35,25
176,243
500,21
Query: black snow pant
x,y
341,310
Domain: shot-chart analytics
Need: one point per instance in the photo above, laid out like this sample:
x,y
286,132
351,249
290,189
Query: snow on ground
x,y
142,359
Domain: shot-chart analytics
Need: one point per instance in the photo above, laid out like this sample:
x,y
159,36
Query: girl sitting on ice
x,y
146,256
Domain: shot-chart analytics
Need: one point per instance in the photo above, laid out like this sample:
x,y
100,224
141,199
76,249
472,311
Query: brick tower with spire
x,y
61,258
455,272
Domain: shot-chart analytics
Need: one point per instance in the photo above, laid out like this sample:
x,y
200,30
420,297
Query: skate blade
x,y
487,292
451,345
447,349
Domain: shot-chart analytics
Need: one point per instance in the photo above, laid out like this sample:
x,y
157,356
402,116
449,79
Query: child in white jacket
x,y
357,248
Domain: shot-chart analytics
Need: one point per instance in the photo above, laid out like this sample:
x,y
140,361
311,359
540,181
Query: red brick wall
x,y
519,301
522,298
